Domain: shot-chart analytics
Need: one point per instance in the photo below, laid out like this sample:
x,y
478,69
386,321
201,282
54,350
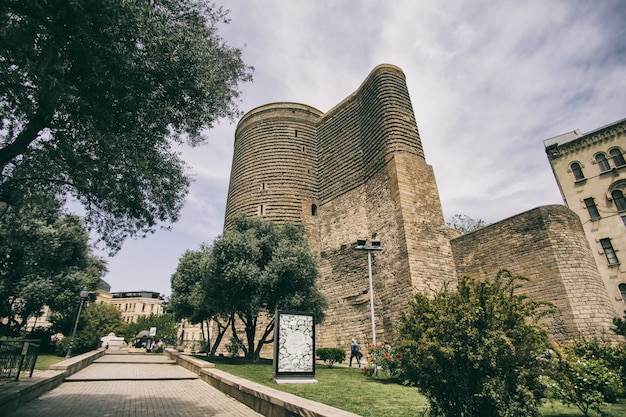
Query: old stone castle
x,y
359,170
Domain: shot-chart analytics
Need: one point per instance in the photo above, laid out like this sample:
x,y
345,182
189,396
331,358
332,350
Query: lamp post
x,y
83,295
361,244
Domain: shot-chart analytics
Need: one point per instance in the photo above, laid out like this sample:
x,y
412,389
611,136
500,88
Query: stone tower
x,y
359,171
356,171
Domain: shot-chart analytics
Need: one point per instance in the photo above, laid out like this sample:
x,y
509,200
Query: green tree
x,y
96,321
95,97
258,267
477,351
190,301
165,328
465,224
45,259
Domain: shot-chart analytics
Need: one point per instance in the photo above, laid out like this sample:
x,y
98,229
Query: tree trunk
x,y
263,341
221,330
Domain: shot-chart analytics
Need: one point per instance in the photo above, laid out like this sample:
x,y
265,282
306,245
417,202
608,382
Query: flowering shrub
x,y
381,357
584,375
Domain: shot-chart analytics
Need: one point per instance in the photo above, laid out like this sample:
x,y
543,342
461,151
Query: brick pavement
x,y
133,386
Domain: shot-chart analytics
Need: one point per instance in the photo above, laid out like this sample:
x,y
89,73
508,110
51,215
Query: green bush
x,y
586,374
476,351
234,347
331,355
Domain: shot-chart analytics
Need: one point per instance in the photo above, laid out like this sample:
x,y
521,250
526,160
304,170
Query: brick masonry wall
x,y
547,245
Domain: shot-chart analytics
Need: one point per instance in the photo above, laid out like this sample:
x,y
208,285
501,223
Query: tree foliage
x,y
45,259
465,224
477,351
189,299
259,267
165,328
252,270
96,95
96,321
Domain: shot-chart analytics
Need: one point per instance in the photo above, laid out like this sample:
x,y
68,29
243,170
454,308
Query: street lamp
x,y
83,295
361,244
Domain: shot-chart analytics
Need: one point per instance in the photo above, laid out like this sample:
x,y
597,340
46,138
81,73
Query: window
x,y
603,163
618,199
313,210
578,171
592,209
618,158
609,252
622,290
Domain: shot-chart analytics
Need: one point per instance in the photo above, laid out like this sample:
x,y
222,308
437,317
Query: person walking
x,y
355,352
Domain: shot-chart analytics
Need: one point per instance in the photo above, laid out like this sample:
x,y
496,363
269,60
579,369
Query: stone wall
x,y
548,246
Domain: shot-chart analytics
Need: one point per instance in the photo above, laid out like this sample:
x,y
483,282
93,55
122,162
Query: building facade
x,y
359,170
590,170
134,304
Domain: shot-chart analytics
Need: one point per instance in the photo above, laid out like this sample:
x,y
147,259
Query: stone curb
x,y
15,393
264,400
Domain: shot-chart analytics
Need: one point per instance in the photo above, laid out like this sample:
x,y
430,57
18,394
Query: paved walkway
x,y
133,386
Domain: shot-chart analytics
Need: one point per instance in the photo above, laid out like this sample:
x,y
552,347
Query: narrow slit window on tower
x,y
603,163
262,186
594,214
619,200
609,252
296,133
261,210
577,171
617,156
313,210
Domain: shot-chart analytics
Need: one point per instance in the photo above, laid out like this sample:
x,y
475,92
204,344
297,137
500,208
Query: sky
x,y
489,82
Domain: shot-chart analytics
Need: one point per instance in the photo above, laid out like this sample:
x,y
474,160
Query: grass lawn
x,y
348,389
44,360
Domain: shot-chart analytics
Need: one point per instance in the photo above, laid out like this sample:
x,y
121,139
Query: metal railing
x,y
17,355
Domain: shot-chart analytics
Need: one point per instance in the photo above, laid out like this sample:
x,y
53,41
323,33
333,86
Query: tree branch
x,y
35,125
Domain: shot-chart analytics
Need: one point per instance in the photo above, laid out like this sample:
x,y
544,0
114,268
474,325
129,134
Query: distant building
x,y
134,304
590,170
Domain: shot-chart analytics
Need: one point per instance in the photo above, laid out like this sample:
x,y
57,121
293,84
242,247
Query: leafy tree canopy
x,y
45,259
464,224
165,328
96,321
96,95
255,268
477,351
188,299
